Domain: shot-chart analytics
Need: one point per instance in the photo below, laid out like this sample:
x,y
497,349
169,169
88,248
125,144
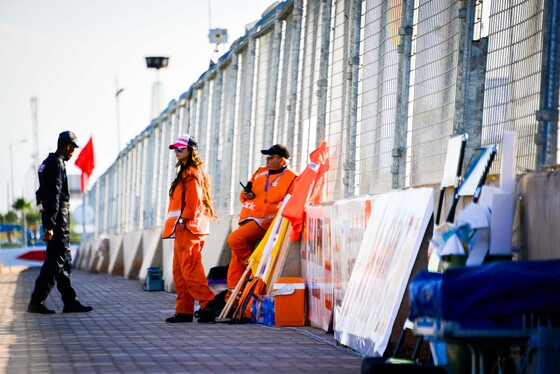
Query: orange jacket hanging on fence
x,y
308,187
185,202
270,190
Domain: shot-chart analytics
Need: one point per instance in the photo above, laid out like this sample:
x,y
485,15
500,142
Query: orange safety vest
x,y
186,202
269,190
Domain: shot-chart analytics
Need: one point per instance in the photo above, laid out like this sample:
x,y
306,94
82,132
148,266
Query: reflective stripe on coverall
x,y
193,212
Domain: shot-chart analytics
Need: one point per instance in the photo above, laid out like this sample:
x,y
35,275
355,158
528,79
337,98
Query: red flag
x,y
307,189
86,162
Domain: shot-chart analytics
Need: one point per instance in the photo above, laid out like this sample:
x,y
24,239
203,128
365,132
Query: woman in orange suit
x,y
188,215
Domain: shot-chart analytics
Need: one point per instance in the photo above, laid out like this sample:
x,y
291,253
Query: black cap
x,y
69,138
278,150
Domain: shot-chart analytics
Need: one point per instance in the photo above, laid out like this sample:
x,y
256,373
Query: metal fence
x,y
385,83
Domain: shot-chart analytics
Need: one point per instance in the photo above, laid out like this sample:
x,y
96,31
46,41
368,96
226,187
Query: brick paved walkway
x,y
126,332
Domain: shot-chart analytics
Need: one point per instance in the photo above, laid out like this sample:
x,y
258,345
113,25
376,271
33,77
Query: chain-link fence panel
x,y
378,96
226,195
313,70
304,132
513,76
243,157
262,133
336,135
285,81
433,86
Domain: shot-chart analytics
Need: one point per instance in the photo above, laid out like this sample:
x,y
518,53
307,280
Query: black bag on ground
x,y
220,301
218,272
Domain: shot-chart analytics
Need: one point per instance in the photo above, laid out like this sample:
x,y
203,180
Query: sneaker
x,y
179,318
76,307
208,313
39,308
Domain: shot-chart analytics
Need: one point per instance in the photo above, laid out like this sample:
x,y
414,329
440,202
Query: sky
x,y
73,55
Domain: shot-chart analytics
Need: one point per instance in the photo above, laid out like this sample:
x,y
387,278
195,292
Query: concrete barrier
x,y
152,251
116,260
216,250
76,258
292,263
93,257
167,271
81,256
132,254
102,253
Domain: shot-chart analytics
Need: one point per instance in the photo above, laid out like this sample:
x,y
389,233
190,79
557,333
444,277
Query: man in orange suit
x,y
261,200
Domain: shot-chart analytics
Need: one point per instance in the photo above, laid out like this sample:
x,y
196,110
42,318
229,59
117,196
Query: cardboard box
x,y
289,302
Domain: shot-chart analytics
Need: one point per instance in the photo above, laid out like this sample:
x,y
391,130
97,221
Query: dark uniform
x,y
53,194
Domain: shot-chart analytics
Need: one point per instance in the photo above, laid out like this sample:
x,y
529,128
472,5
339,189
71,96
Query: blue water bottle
x,y
254,311
268,311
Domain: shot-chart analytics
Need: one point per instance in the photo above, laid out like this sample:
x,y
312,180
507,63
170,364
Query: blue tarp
x,y
496,290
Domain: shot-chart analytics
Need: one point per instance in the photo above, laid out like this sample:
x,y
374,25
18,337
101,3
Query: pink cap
x,y
184,141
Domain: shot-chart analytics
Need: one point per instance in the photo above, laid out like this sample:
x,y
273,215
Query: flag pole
x,y
86,162
84,200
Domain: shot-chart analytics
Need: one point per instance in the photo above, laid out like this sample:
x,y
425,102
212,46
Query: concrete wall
x,y
152,251
116,257
131,254
535,236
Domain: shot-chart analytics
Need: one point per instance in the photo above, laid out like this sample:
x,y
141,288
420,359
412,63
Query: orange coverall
x,y
256,216
188,273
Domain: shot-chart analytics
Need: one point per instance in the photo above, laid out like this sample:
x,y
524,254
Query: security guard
x,y
54,199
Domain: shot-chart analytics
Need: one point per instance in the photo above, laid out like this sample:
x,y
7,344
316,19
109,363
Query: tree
x,y
33,217
22,205
10,217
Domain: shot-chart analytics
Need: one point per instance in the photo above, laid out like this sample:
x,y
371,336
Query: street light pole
x,y
12,145
156,62
118,91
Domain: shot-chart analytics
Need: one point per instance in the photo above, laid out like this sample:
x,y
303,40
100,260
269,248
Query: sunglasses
x,y
179,150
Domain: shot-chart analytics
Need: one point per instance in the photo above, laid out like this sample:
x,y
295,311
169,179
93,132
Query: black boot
x,y
179,318
208,313
76,307
39,308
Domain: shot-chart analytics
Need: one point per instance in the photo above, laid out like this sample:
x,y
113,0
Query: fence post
x,y
322,83
398,170
272,96
547,115
469,97
352,79
294,70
